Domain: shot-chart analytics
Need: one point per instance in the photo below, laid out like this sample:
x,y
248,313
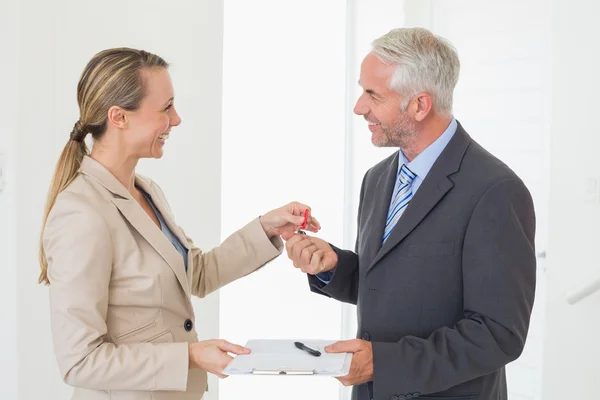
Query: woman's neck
x,y
120,165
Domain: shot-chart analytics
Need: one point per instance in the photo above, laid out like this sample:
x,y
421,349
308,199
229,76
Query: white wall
x,y
51,41
273,105
8,127
34,141
283,140
571,368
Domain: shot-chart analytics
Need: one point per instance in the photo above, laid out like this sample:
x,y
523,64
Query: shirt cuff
x,y
325,277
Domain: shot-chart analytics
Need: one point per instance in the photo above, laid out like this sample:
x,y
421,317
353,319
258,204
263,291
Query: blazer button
x,y
188,325
367,337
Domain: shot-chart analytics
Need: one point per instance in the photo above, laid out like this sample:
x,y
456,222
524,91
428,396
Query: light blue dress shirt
x,y
421,165
168,233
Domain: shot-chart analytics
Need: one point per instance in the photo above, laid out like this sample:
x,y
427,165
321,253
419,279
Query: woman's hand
x,y
285,221
211,355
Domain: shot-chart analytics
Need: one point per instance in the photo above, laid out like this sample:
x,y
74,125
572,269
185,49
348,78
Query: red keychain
x,y
301,231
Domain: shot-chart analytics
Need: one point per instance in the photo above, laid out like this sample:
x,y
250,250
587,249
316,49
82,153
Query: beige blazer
x,y
121,313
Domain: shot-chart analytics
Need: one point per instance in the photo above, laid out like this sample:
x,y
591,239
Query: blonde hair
x,y
111,78
424,63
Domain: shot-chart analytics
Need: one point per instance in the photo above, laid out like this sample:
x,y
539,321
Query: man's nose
x,y
361,108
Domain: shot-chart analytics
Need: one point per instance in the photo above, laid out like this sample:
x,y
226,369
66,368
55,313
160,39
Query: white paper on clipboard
x,y
282,357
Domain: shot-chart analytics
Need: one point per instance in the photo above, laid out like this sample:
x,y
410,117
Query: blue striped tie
x,y
402,196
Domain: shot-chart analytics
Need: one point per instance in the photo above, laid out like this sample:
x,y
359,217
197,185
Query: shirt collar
x,y
423,162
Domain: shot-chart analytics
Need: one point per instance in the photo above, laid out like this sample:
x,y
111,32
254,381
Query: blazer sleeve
x,y
499,270
79,251
243,252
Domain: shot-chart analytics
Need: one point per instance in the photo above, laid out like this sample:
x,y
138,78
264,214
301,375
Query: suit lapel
x,y
432,190
137,217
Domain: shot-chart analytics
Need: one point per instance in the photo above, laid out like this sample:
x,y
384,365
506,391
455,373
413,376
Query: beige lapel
x,y
138,218
160,203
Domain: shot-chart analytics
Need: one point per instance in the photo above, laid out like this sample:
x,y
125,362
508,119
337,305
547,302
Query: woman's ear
x,y
117,117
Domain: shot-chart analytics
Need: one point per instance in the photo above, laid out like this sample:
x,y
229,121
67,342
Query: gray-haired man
x,y
443,273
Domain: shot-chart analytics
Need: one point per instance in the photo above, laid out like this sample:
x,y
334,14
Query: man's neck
x,y
429,131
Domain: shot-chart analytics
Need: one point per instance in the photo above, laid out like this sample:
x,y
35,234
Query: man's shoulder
x,y
479,164
383,165
480,171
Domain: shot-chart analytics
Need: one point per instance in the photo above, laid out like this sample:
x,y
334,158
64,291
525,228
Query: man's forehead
x,y
375,76
374,72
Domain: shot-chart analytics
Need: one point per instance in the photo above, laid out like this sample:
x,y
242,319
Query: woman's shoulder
x,y
75,212
80,196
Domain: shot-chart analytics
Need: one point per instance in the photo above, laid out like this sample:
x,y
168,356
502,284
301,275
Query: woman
x,y
121,272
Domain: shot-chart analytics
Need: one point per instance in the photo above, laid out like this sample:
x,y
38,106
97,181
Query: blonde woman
x,y
120,270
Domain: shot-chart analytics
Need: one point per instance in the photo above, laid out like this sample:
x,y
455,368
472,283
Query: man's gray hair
x,y
425,63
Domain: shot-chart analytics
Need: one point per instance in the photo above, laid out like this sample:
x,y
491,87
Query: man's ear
x,y
424,104
117,117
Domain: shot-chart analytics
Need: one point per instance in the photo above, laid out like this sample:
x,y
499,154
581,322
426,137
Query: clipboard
x,y
281,357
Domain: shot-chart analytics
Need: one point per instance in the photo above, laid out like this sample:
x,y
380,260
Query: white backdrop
x,y
283,140
289,83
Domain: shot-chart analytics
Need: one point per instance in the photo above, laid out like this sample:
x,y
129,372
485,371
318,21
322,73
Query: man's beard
x,y
401,134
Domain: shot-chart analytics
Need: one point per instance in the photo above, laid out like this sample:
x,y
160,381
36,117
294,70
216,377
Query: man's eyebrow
x,y
369,91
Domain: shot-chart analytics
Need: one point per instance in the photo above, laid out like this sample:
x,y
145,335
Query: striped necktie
x,y
402,196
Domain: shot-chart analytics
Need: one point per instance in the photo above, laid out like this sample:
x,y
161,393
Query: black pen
x,y
310,351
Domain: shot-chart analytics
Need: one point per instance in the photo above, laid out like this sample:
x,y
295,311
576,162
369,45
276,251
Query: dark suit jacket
x,y
446,302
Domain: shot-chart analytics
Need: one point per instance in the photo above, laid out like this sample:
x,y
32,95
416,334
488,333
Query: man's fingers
x,y
289,244
307,253
344,380
345,346
297,252
316,264
293,240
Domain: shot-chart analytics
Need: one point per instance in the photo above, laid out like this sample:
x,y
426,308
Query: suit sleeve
x,y
499,269
343,285
243,252
343,282
79,251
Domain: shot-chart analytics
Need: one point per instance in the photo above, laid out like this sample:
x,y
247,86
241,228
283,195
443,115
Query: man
x,y
443,273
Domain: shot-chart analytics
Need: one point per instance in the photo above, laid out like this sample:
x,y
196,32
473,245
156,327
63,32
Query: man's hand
x,y
361,369
310,254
